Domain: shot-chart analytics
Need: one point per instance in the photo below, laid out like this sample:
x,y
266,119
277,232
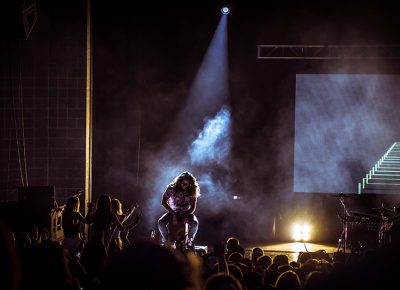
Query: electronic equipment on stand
x,y
342,244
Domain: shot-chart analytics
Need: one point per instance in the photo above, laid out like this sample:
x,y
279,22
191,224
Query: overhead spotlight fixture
x,y
225,10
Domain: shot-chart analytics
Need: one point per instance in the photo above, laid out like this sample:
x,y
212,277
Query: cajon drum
x,y
178,232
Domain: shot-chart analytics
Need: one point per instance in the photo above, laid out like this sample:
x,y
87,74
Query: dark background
x,y
145,58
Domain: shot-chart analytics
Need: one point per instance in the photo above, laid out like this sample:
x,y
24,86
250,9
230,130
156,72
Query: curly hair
x,y
194,187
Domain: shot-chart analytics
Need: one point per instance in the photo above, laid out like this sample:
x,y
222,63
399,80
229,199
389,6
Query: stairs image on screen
x,y
384,177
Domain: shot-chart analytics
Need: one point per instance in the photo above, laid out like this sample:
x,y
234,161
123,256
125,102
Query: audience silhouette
x,y
48,264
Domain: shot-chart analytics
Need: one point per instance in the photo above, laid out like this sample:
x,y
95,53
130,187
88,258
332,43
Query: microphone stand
x,y
343,236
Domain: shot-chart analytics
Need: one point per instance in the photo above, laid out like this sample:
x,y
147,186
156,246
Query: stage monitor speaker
x,y
36,205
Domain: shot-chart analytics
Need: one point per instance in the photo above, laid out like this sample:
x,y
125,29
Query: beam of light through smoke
x,y
210,87
213,142
208,93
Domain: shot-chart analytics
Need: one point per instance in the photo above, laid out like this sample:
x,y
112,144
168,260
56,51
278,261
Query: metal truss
x,y
328,51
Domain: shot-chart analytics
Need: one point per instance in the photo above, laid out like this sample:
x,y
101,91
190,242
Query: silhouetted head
x,y
72,204
104,203
147,265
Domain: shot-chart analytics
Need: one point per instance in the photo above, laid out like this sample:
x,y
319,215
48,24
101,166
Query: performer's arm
x,y
193,202
167,194
164,200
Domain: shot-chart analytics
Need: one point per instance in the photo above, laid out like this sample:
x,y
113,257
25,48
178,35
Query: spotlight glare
x,y
301,232
225,10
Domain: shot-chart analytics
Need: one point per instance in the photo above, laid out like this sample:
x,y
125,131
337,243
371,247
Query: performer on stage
x,y
179,199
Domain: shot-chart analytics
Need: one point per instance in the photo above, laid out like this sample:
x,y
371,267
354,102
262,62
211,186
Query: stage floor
x,y
291,249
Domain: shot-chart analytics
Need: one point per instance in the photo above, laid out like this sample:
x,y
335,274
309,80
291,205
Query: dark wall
x,y
42,100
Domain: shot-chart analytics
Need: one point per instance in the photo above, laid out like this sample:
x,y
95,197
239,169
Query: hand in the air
x,y
220,248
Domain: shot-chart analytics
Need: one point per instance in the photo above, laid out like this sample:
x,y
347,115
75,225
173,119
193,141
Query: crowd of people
x,y
226,265
105,259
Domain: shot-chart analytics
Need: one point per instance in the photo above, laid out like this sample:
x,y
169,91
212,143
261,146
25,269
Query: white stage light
x,y
225,10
